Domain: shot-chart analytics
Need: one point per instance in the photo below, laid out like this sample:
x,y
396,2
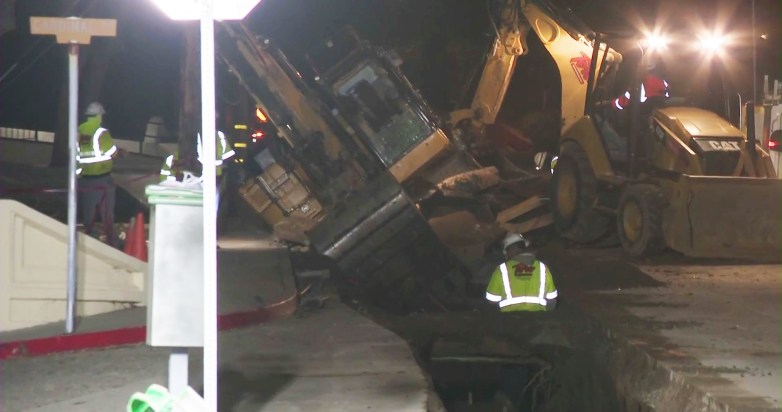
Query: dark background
x,y
441,42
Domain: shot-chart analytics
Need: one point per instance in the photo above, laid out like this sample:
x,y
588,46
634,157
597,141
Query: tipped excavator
x,y
358,151
357,148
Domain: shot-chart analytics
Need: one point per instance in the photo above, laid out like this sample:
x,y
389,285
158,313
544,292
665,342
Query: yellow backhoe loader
x,y
659,176
679,177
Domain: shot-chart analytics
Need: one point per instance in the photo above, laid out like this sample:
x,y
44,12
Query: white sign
x,y
73,29
191,9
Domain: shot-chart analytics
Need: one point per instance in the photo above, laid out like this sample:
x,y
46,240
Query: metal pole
x,y
751,137
754,58
177,370
210,209
73,98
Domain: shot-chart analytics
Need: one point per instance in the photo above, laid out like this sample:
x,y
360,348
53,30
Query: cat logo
x,y
718,145
581,65
724,145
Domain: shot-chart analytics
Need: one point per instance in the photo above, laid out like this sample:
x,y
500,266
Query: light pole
x,y
207,11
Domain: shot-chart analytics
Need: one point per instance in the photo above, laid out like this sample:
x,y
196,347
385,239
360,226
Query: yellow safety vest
x,y
521,291
94,156
223,151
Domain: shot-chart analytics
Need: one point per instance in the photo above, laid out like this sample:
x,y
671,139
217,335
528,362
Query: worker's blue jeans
x,y
97,194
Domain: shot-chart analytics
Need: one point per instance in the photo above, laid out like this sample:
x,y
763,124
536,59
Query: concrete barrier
x,y
33,261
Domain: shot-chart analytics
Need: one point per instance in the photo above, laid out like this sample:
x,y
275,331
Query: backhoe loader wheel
x,y
640,219
573,194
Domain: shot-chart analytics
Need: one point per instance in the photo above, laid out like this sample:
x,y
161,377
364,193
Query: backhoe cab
x,y
657,175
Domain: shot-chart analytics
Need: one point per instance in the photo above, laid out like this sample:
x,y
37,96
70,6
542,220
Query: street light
x,y
656,42
207,11
713,43
192,9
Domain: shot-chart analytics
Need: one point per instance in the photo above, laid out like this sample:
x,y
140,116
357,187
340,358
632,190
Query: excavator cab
x,y
368,90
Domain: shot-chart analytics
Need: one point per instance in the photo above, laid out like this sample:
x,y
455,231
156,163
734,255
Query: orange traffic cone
x,y
130,234
139,238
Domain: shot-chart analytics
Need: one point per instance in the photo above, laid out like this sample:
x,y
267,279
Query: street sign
x,y
191,9
73,29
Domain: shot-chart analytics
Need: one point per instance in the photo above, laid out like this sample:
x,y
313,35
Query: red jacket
x,y
652,86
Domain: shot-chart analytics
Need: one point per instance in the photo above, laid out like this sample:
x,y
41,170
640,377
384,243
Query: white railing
x,y
25,134
149,146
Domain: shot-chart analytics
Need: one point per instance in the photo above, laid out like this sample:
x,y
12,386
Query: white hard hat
x,y
94,109
513,238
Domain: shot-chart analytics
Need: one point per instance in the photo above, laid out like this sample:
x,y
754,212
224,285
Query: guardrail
x,y
26,134
149,146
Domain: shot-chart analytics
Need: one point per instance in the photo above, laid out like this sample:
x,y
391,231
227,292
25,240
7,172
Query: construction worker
x,y
223,152
522,283
173,166
654,90
95,161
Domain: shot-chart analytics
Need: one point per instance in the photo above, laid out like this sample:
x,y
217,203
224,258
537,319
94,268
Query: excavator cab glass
x,y
366,88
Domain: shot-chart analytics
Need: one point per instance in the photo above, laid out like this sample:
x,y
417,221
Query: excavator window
x,y
374,103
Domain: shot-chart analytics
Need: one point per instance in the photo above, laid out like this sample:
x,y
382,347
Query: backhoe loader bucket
x,y
725,217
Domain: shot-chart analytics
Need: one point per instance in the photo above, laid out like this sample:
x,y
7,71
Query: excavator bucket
x,y
725,217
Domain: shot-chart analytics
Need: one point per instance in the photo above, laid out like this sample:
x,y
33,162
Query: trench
x,y
514,374
478,359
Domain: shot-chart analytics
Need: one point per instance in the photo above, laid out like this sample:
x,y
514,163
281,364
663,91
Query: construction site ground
x,y
666,334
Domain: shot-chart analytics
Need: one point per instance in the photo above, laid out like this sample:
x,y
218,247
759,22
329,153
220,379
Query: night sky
x,y
438,39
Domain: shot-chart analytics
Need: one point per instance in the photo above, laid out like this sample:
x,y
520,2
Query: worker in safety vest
x,y
173,166
95,156
223,152
522,283
654,90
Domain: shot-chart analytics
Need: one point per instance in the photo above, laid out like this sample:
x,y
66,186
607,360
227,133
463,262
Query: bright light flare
x,y
656,41
713,43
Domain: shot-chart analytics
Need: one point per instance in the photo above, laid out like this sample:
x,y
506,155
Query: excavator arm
x,y
567,40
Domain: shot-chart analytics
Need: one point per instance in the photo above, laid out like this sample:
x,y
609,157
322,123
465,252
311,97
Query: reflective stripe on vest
x,y
514,300
643,97
96,156
167,166
221,154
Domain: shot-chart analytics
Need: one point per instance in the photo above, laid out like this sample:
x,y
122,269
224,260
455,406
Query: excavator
x,y
341,177
359,148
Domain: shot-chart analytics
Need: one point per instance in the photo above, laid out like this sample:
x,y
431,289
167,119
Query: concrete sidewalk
x,y
254,273
331,359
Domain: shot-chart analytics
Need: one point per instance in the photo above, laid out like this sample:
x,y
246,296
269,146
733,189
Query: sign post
x,y
72,31
207,11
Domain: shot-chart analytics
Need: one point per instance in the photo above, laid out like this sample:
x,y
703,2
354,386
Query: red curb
x,y
134,334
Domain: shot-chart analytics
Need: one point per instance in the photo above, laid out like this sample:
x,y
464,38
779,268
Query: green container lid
x,y
168,195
